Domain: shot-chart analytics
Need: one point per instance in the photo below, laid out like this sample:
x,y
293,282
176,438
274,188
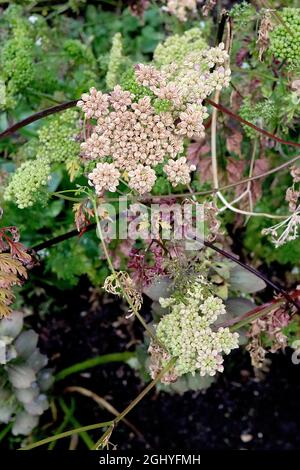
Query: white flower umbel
x,y
188,331
145,122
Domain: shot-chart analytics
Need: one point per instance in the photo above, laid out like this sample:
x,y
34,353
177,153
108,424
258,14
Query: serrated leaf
x,y
9,265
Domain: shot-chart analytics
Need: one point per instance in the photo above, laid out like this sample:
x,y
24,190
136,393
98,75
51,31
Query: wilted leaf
x,y
233,142
12,270
9,265
82,213
18,250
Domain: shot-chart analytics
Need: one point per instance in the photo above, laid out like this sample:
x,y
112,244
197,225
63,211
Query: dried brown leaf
x,y
234,141
235,169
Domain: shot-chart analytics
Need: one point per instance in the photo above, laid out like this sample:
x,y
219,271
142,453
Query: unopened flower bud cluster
x,y
285,38
115,61
104,177
178,171
188,331
181,8
27,182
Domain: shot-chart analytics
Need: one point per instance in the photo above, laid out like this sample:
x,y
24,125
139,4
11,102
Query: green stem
x,y
146,390
93,362
90,427
68,413
67,198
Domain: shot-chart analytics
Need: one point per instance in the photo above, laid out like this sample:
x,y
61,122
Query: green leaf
x,y
187,382
244,281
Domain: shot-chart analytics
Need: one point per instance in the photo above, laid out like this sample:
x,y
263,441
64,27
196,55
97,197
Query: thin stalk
x,y
66,198
112,269
253,271
103,404
214,160
35,117
236,200
84,435
43,95
249,213
5,431
230,113
214,166
253,317
68,413
94,362
70,104
207,244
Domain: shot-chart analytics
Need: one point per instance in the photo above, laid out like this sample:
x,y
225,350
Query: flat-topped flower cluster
x,y
145,121
188,331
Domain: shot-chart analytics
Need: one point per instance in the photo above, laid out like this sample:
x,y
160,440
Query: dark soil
x,y
239,411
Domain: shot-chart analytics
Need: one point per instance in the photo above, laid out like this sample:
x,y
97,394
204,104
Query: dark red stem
x,y
35,117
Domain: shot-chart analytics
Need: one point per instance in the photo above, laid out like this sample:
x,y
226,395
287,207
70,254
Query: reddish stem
x,y
247,123
70,104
